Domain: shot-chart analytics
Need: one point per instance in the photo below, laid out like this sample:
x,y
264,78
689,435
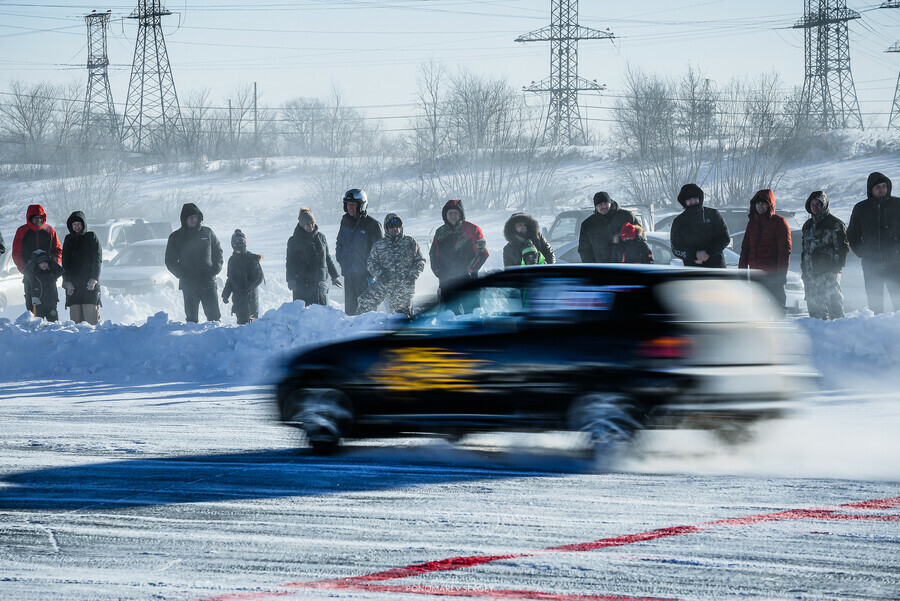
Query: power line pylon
x,y
563,118
894,120
99,123
152,114
828,100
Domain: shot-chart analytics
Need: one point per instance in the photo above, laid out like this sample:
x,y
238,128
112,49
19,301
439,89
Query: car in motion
x,y
601,349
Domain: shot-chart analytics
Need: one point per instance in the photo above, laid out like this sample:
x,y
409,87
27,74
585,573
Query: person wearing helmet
x,y
356,236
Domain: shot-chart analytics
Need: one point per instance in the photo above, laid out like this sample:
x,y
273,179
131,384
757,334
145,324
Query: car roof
x,y
153,242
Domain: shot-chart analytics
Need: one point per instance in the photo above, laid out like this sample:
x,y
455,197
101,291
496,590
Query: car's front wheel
x,y
610,419
324,414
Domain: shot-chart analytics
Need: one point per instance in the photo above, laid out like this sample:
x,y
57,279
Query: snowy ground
x,y
141,460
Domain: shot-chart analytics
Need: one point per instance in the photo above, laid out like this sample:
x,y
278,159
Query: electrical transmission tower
x,y
828,100
894,120
563,118
152,115
99,121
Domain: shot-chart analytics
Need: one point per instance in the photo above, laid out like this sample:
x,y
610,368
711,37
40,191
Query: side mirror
x,y
544,231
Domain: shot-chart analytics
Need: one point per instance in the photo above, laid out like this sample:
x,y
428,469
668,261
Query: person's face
x,y
393,230
692,202
44,265
309,227
815,205
762,207
37,220
603,207
453,216
879,190
521,228
193,220
77,226
353,209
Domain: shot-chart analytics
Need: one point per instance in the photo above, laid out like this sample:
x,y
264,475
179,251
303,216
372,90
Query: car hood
x,y
119,273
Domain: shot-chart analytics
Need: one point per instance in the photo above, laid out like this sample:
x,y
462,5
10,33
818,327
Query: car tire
x,y
324,414
609,418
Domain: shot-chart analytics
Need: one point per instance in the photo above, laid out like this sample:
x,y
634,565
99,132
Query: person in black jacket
x,y
309,263
522,231
874,235
245,274
82,258
600,233
2,245
824,255
633,248
194,256
40,274
699,234
358,232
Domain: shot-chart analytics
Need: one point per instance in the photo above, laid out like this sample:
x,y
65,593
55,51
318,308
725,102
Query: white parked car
x,y
140,268
11,289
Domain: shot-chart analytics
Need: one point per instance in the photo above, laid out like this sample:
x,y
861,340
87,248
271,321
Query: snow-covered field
x,y
140,459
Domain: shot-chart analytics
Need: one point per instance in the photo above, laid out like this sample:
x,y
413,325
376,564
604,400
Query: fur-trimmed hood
x,y
531,225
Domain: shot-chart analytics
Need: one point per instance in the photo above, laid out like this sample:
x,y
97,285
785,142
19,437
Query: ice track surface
x,y
193,492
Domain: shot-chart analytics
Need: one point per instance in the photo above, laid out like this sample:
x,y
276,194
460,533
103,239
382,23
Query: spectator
x,y
601,232
355,238
633,248
34,235
309,264
396,262
521,231
823,255
82,259
458,250
699,233
41,273
194,256
767,244
874,235
244,277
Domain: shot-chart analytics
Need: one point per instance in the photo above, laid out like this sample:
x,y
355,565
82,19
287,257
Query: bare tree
x,y
28,119
303,126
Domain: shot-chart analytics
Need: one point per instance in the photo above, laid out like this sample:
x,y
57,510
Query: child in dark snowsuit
x,y
244,276
41,273
633,248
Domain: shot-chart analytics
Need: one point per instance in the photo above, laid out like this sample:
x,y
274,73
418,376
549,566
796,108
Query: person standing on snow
x,y
396,262
2,244
601,232
309,263
767,244
823,256
699,234
458,250
357,234
874,236
633,248
522,234
41,273
244,277
34,235
194,256
82,258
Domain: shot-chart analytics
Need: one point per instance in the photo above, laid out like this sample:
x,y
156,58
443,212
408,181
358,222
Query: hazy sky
x,y
371,49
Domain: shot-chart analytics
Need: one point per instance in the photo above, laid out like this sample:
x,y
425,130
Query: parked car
x,y
736,219
115,234
601,349
140,268
12,290
661,246
567,224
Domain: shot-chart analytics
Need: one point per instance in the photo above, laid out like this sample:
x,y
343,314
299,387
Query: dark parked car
x,y
602,349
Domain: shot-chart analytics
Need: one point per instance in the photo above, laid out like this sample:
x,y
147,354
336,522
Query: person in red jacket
x,y
35,235
767,243
458,250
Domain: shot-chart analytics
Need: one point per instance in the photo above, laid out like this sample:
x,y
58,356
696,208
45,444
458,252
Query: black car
x,y
603,349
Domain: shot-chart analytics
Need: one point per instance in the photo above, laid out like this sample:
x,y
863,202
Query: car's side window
x,y
661,254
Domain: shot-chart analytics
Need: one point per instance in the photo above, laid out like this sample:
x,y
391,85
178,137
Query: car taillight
x,y
667,347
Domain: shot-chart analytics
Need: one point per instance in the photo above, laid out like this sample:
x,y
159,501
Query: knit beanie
x,y
601,197
238,239
305,217
628,232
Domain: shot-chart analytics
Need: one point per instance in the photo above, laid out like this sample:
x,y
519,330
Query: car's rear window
x,y
717,300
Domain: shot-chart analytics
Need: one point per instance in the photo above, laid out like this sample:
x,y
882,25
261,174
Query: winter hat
x,y
628,232
690,191
306,217
601,197
238,239
529,253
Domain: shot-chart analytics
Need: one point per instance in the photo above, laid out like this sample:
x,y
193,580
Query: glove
x,y
337,282
92,283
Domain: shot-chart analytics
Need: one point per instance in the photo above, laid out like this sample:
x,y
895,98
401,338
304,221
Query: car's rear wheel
x,y
610,420
324,414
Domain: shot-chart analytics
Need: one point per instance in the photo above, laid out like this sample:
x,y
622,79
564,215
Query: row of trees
x,y
469,136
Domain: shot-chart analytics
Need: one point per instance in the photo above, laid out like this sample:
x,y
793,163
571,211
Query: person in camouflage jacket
x,y
824,254
395,262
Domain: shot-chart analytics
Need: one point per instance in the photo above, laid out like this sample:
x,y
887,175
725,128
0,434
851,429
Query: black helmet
x,y
356,195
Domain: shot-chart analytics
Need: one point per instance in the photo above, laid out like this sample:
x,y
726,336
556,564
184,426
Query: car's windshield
x,y
102,233
564,229
136,256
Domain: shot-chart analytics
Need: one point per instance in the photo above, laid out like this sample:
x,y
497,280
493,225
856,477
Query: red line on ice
x,y
364,582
